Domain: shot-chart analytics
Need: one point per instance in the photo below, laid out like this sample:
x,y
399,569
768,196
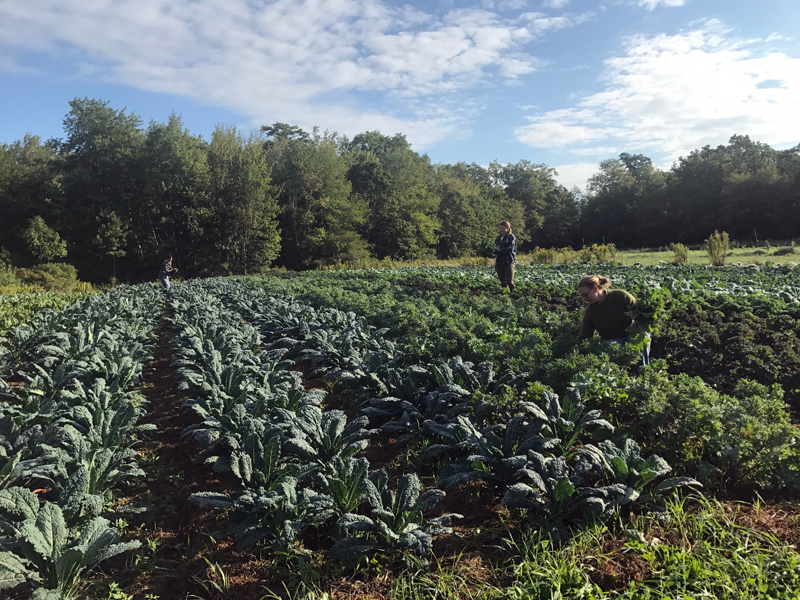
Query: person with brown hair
x,y
164,272
607,313
505,255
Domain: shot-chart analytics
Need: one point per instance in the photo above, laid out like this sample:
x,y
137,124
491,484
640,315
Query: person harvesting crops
x,y
163,274
607,313
505,255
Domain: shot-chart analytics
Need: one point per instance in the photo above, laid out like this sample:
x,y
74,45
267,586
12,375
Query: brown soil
x,y
613,569
186,553
182,531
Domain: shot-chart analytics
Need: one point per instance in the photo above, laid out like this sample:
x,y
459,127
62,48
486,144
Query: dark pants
x,y
645,358
506,275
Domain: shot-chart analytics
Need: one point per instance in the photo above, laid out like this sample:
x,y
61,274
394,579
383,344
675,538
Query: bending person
x,y
607,313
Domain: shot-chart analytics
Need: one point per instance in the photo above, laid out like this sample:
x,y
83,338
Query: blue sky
x,y
567,83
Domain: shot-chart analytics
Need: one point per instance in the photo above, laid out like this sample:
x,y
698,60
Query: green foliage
x,y
43,242
396,520
57,556
745,438
53,277
680,253
112,235
245,197
19,309
716,246
276,517
648,312
547,256
697,550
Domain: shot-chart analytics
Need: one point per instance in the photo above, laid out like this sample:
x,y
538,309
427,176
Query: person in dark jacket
x,y
163,274
607,313
505,255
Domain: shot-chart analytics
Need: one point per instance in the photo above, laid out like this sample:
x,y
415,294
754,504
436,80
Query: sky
x,y
566,83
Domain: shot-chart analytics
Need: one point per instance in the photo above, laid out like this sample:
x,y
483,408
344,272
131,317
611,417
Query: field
x,y
414,432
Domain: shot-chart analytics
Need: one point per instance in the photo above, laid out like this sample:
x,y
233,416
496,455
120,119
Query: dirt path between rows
x,y
178,549
179,558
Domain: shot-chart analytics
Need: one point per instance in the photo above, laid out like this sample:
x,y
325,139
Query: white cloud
x,y
576,174
671,94
777,37
653,4
306,62
554,3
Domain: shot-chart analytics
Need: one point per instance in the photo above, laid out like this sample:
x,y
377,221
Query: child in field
x,y
607,313
505,251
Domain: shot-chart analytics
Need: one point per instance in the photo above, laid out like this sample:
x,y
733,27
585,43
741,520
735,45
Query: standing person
x,y
163,274
607,313
505,250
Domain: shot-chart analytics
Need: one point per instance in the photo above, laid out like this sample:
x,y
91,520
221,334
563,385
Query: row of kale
x,y
67,433
294,461
485,426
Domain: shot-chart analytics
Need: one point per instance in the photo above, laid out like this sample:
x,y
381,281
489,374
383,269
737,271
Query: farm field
x,y
405,433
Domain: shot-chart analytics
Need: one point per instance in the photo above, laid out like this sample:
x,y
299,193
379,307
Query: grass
x,y
703,551
647,257
758,256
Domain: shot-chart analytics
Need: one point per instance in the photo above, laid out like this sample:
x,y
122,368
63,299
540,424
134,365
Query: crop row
x,y
18,309
298,465
68,425
779,282
731,341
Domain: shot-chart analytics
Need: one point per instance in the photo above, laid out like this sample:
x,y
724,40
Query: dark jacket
x,y
609,318
166,269
506,254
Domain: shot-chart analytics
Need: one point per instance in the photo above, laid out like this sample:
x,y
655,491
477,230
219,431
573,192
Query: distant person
x,y
505,255
163,274
607,313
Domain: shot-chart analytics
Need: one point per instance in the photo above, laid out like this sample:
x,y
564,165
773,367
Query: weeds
x,y
219,581
699,551
717,248
680,254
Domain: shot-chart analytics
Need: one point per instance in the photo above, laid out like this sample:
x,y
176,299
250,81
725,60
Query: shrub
x,y
784,251
680,254
745,438
54,277
717,247
8,277
544,256
598,253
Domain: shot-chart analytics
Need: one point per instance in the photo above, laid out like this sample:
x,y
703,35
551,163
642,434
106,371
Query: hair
x,y
600,281
169,256
506,224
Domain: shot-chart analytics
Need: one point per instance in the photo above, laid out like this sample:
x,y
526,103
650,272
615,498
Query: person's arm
x,y
587,327
505,245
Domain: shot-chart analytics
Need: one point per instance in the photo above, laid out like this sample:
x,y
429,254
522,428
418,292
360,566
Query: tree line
x,y
113,198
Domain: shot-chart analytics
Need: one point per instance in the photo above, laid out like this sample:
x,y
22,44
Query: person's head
x,y
592,288
504,228
169,257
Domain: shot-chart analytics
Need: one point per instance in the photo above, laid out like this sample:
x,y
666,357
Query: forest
x,y
114,197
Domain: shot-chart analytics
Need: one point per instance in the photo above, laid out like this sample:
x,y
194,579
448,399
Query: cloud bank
x,y
310,62
671,94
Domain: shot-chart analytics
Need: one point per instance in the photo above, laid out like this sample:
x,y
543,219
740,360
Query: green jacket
x,y
609,318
